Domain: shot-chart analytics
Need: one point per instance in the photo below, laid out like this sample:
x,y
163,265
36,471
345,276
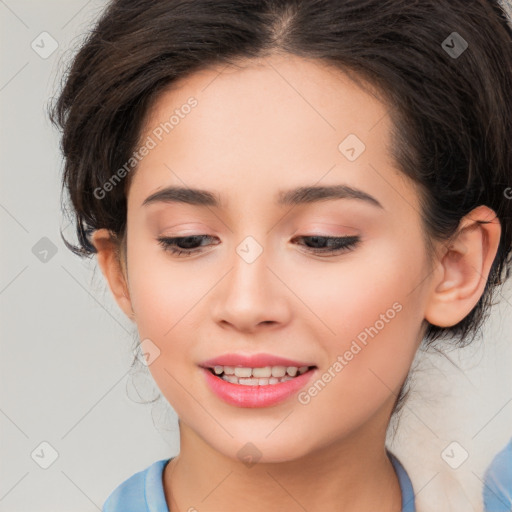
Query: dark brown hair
x,y
451,110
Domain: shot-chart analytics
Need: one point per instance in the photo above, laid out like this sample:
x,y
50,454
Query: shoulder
x,y
498,481
408,500
141,492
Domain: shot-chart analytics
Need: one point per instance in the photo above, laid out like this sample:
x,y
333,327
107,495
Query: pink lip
x,y
256,396
252,361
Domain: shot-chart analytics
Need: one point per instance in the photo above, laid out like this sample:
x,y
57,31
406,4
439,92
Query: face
x,y
271,276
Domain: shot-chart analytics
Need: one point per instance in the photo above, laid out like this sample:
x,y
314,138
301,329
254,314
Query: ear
x,y
113,269
464,267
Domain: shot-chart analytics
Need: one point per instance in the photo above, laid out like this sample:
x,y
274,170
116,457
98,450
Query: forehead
x,y
265,125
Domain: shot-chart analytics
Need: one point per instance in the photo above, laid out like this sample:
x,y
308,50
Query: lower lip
x,y
255,396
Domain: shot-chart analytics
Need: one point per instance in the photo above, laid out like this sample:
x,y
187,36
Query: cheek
x,y
369,312
162,290
163,297
367,360
352,293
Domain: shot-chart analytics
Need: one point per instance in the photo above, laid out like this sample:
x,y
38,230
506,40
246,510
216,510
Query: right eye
x,y
172,244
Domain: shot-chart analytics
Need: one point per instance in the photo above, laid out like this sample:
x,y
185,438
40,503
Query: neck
x,y
351,475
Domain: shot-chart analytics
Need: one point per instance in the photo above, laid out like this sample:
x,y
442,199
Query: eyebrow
x,y
296,196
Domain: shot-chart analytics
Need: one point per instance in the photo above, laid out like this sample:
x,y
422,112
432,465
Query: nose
x,y
251,295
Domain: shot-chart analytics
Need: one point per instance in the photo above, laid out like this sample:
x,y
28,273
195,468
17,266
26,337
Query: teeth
x,y
249,382
278,371
258,376
292,370
243,372
253,381
262,372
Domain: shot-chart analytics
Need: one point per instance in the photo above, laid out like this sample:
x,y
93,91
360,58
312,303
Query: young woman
x,y
288,198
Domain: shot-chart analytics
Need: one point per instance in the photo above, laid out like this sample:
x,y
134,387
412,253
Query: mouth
x,y
258,376
260,386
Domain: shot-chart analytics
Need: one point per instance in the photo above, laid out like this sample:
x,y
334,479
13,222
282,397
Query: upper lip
x,y
252,361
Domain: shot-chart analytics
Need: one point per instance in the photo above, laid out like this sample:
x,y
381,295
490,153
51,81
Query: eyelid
x,y
194,228
328,228
345,244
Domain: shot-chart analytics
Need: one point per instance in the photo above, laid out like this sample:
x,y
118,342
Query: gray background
x,y
65,345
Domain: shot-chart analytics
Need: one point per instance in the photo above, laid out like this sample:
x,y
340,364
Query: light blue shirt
x,y
144,491
497,491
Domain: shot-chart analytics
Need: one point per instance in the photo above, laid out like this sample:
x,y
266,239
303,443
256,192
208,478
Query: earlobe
x,y
110,265
464,268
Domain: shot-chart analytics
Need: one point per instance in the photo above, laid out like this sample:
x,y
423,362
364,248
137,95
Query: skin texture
x,y
273,124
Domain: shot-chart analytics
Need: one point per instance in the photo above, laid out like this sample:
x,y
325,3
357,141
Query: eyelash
x,y
343,244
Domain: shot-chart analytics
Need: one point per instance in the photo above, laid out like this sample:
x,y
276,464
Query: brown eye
x,y
329,244
183,244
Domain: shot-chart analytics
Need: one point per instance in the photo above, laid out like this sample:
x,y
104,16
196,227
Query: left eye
x,y
187,245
